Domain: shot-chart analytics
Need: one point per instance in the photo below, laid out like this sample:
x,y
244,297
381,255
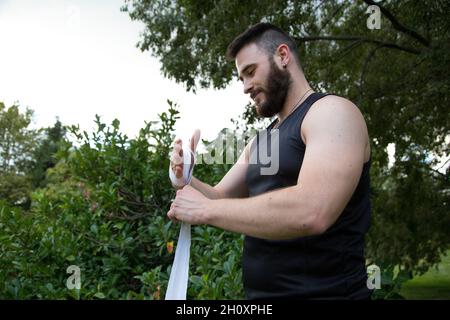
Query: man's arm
x,y
336,137
232,185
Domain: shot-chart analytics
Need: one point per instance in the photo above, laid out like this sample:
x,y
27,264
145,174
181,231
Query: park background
x,y
93,94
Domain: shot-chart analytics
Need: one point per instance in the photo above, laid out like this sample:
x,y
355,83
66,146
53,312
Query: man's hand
x,y
189,206
176,157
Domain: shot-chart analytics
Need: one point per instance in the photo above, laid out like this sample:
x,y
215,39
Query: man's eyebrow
x,y
245,69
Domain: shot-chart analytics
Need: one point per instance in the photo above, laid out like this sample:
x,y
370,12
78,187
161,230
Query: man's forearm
x,y
207,190
281,214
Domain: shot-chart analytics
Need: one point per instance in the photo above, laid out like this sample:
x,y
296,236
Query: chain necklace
x,y
278,123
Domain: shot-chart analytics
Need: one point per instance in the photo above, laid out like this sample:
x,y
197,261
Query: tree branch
x,y
439,174
364,69
331,17
397,83
445,163
397,24
357,38
347,50
133,217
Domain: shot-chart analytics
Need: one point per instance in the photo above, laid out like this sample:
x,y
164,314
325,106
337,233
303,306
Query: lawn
x,y
435,284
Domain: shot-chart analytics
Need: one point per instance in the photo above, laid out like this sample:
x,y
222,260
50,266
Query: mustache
x,y
255,92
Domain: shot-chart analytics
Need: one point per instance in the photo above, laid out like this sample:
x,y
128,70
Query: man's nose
x,y
248,87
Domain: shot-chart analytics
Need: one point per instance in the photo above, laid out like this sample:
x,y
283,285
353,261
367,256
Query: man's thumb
x,y
194,140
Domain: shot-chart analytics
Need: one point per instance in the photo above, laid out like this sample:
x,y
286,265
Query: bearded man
x,y
305,223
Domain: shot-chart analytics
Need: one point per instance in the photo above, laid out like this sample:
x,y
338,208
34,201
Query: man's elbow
x,y
320,224
309,227
318,228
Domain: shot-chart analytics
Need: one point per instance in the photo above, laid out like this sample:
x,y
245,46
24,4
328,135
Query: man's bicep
x,y
332,164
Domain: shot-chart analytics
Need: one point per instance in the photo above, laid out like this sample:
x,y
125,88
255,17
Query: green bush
x,y
104,210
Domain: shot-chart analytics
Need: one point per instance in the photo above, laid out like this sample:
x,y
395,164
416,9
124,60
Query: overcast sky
x,y
73,59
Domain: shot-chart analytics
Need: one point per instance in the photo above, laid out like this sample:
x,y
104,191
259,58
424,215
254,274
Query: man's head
x,y
264,56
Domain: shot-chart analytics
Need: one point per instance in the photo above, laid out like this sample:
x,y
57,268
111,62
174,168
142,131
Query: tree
x,y
25,154
17,143
395,75
44,154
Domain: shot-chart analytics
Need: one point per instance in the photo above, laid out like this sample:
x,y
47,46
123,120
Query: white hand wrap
x,y
179,276
188,166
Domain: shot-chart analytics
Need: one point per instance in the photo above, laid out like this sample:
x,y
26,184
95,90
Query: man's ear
x,y
283,53
194,140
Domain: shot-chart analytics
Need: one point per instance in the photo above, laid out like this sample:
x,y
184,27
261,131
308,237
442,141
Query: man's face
x,y
266,83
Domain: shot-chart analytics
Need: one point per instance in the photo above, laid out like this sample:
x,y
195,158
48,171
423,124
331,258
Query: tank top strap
x,y
301,111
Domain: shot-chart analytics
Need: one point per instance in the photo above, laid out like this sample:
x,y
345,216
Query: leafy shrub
x,y
104,210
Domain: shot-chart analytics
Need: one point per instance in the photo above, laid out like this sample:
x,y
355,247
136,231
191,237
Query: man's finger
x,y
195,139
176,159
178,144
177,147
178,150
171,216
178,172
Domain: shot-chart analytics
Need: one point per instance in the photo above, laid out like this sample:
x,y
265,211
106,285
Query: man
x,y
305,224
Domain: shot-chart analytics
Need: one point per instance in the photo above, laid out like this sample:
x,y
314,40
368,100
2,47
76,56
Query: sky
x,y
75,59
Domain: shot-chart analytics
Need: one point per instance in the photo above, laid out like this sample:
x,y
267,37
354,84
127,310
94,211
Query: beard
x,y
277,87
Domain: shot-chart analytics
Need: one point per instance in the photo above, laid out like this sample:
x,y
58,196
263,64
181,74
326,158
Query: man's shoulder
x,y
330,112
335,100
333,108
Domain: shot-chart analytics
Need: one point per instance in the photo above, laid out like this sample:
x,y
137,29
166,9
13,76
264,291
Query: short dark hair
x,y
266,36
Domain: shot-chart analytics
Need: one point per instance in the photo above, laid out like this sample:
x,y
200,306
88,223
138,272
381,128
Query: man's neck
x,y
296,93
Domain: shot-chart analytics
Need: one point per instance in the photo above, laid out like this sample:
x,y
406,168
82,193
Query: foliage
x,y
394,74
17,143
100,202
43,157
25,154
104,209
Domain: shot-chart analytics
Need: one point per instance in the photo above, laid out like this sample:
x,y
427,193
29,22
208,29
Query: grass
x,y
435,284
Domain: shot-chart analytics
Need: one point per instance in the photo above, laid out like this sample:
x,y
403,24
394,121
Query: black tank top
x,y
326,266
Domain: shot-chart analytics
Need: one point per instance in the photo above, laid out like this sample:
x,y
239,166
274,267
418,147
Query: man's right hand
x,y
176,157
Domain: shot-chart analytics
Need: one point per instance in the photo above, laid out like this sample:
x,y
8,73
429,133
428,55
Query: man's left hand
x,y
189,206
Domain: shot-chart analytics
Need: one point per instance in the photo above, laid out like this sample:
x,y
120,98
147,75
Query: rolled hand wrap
x,y
188,166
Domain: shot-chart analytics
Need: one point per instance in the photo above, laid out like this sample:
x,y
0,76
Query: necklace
x,y
277,124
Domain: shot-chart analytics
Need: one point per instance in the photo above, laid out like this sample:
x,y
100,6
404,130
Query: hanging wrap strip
x,y
177,287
